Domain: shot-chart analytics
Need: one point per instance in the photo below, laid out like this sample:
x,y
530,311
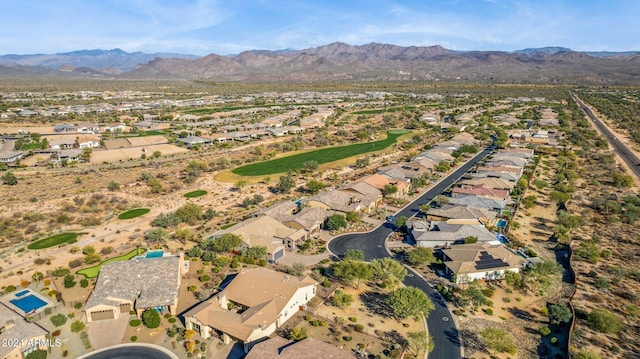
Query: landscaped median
x,y
66,238
93,272
134,213
321,156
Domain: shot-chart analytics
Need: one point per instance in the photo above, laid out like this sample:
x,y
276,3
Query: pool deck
x,y
24,293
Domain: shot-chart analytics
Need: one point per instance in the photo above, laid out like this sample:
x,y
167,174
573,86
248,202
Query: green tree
x,y
310,166
341,299
352,271
389,189
240,185
354,255
297,334
470,239
315,186
529,201
286,183
622,180
255,252
92,258
190,213
362,162
155,185
336,222
498,340
419,342
59,319
183,235
420,255
409,302
388,272
156,235
9,179
559,313
69,281
77,326
559,196
85,156
226,243
604,321
151,318
37,276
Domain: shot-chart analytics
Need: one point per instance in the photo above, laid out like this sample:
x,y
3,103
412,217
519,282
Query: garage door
x,y
277,255
102,314
125,308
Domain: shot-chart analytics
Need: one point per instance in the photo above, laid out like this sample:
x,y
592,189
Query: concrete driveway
x,y
105,333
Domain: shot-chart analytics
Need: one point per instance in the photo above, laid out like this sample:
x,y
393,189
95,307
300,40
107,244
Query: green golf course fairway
x,y
134,213
54,240
323,155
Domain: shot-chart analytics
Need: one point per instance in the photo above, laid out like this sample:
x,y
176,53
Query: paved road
x,y
443,331
620,148
132,351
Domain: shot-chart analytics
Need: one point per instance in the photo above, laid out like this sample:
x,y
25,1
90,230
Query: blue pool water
x,y
21,293
502,223
502,238
28,303
154,254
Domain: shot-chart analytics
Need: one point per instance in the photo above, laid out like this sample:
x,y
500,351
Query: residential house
x,y
272,122
294,129
435,155
88,142
456,211
297,217
11,156
150,117
251,307
478,201
507,161
88,127
19,337
218,137
136,285
380,182
445,233
64,127
57,143
497,183
507,176
510,169
344,201
145,125
192,141
72,154
265,231
480,261
309,348
482,191
114,127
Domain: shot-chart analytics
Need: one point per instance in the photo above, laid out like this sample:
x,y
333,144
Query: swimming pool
x,y
154,254
502,223
28,303
502,238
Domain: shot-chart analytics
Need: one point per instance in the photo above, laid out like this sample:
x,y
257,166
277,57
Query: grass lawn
x,y
323,155
197,193
134,213
54,240
228,225
92,272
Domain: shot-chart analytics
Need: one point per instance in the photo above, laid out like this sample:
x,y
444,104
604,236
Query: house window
x,y
196,327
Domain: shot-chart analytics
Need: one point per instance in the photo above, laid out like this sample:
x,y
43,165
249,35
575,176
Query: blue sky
x,y
201,27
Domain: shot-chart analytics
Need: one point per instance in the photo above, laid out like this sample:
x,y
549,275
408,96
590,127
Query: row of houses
x,y
89,127
475,205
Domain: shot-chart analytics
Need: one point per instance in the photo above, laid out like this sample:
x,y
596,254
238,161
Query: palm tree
x,y
37,276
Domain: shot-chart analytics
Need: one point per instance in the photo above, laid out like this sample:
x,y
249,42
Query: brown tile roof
x,y
310,348
260,231
263,291
461,212
467,258
482,190
147,282
17,330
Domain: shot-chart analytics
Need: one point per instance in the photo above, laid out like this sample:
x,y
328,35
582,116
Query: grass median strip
x,y
323,155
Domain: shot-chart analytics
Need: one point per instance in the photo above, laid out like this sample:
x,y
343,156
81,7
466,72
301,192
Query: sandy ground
x,y
124,154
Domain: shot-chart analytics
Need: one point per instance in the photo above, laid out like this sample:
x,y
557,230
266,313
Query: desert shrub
x,y
135,322
134,338
359,327
151,318
58,320
544,331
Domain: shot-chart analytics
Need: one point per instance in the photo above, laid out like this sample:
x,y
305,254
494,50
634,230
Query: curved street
x,y
440,322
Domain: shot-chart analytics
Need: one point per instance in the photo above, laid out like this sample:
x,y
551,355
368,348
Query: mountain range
x,y
343,62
